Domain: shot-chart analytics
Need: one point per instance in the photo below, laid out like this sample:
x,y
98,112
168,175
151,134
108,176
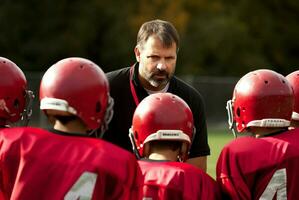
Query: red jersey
x,y
174,180
260,168
38,164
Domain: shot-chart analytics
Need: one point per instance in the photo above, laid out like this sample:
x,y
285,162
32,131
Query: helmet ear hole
x,y
238,112
16,103
136,135
98,107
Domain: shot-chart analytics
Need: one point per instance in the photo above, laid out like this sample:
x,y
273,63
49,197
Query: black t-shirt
x,y
124,107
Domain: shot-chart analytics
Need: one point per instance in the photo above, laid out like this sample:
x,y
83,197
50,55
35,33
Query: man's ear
x,y
137,53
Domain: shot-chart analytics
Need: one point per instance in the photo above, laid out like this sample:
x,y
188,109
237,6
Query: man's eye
x,y
153,57
169,58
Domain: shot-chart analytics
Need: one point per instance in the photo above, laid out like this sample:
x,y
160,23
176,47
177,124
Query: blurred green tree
x,y
221,37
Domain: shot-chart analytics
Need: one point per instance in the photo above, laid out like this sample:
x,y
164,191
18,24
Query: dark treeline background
x,y
218,38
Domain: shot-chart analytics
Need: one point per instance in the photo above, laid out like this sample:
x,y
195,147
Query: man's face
x,y
156,63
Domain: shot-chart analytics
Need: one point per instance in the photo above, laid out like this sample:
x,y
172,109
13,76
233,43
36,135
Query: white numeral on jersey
x,y
277,184
83,188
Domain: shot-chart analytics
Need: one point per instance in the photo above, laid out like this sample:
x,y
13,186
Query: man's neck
x,y
259,132
164,155
70,127
162,91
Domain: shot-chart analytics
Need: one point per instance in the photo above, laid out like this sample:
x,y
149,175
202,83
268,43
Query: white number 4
x,y
83,188
277,184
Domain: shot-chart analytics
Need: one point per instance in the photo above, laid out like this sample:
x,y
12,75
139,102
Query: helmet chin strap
x,y
231,122
95,132
234,131
180,159
107,118
28,111
134,147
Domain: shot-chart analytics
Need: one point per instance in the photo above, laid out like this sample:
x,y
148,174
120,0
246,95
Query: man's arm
x,y
200,162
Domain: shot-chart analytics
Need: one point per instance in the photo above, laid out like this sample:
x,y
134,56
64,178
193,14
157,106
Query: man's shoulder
x,y
118,80
119,73
183,86
185,90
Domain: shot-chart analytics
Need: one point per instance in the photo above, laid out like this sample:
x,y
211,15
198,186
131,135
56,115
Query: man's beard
x,y
156,82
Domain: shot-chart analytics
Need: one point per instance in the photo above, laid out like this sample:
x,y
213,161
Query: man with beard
x,y
156,55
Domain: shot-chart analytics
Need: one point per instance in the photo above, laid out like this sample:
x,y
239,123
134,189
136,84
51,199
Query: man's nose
x,y
161,66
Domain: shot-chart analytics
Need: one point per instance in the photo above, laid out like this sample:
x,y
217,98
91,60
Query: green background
x,y
217,139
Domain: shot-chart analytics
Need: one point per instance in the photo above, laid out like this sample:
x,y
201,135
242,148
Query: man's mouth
x,y
160,76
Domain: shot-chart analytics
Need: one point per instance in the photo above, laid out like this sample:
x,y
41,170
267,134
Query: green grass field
x,y
217,139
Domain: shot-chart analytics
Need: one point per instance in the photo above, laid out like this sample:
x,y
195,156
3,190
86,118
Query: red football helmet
x,y
80,87
293,79
161,116
261,98
13,93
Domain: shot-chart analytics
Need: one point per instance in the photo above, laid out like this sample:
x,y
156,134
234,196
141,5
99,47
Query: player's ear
x,y
146,150
183,155
137,53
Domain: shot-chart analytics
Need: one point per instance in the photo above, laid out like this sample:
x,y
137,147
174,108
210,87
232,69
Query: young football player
x,y
264,165
67,162
161,135
15,98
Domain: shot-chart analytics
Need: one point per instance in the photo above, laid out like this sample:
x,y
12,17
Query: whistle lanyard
x,y
133,91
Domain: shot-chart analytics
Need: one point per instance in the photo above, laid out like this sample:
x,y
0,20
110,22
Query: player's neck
x,y
164,155
71,127
3,123
262,132
294,123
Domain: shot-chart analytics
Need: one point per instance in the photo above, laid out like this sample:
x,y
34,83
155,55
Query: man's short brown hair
x,y
164,144
164,30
